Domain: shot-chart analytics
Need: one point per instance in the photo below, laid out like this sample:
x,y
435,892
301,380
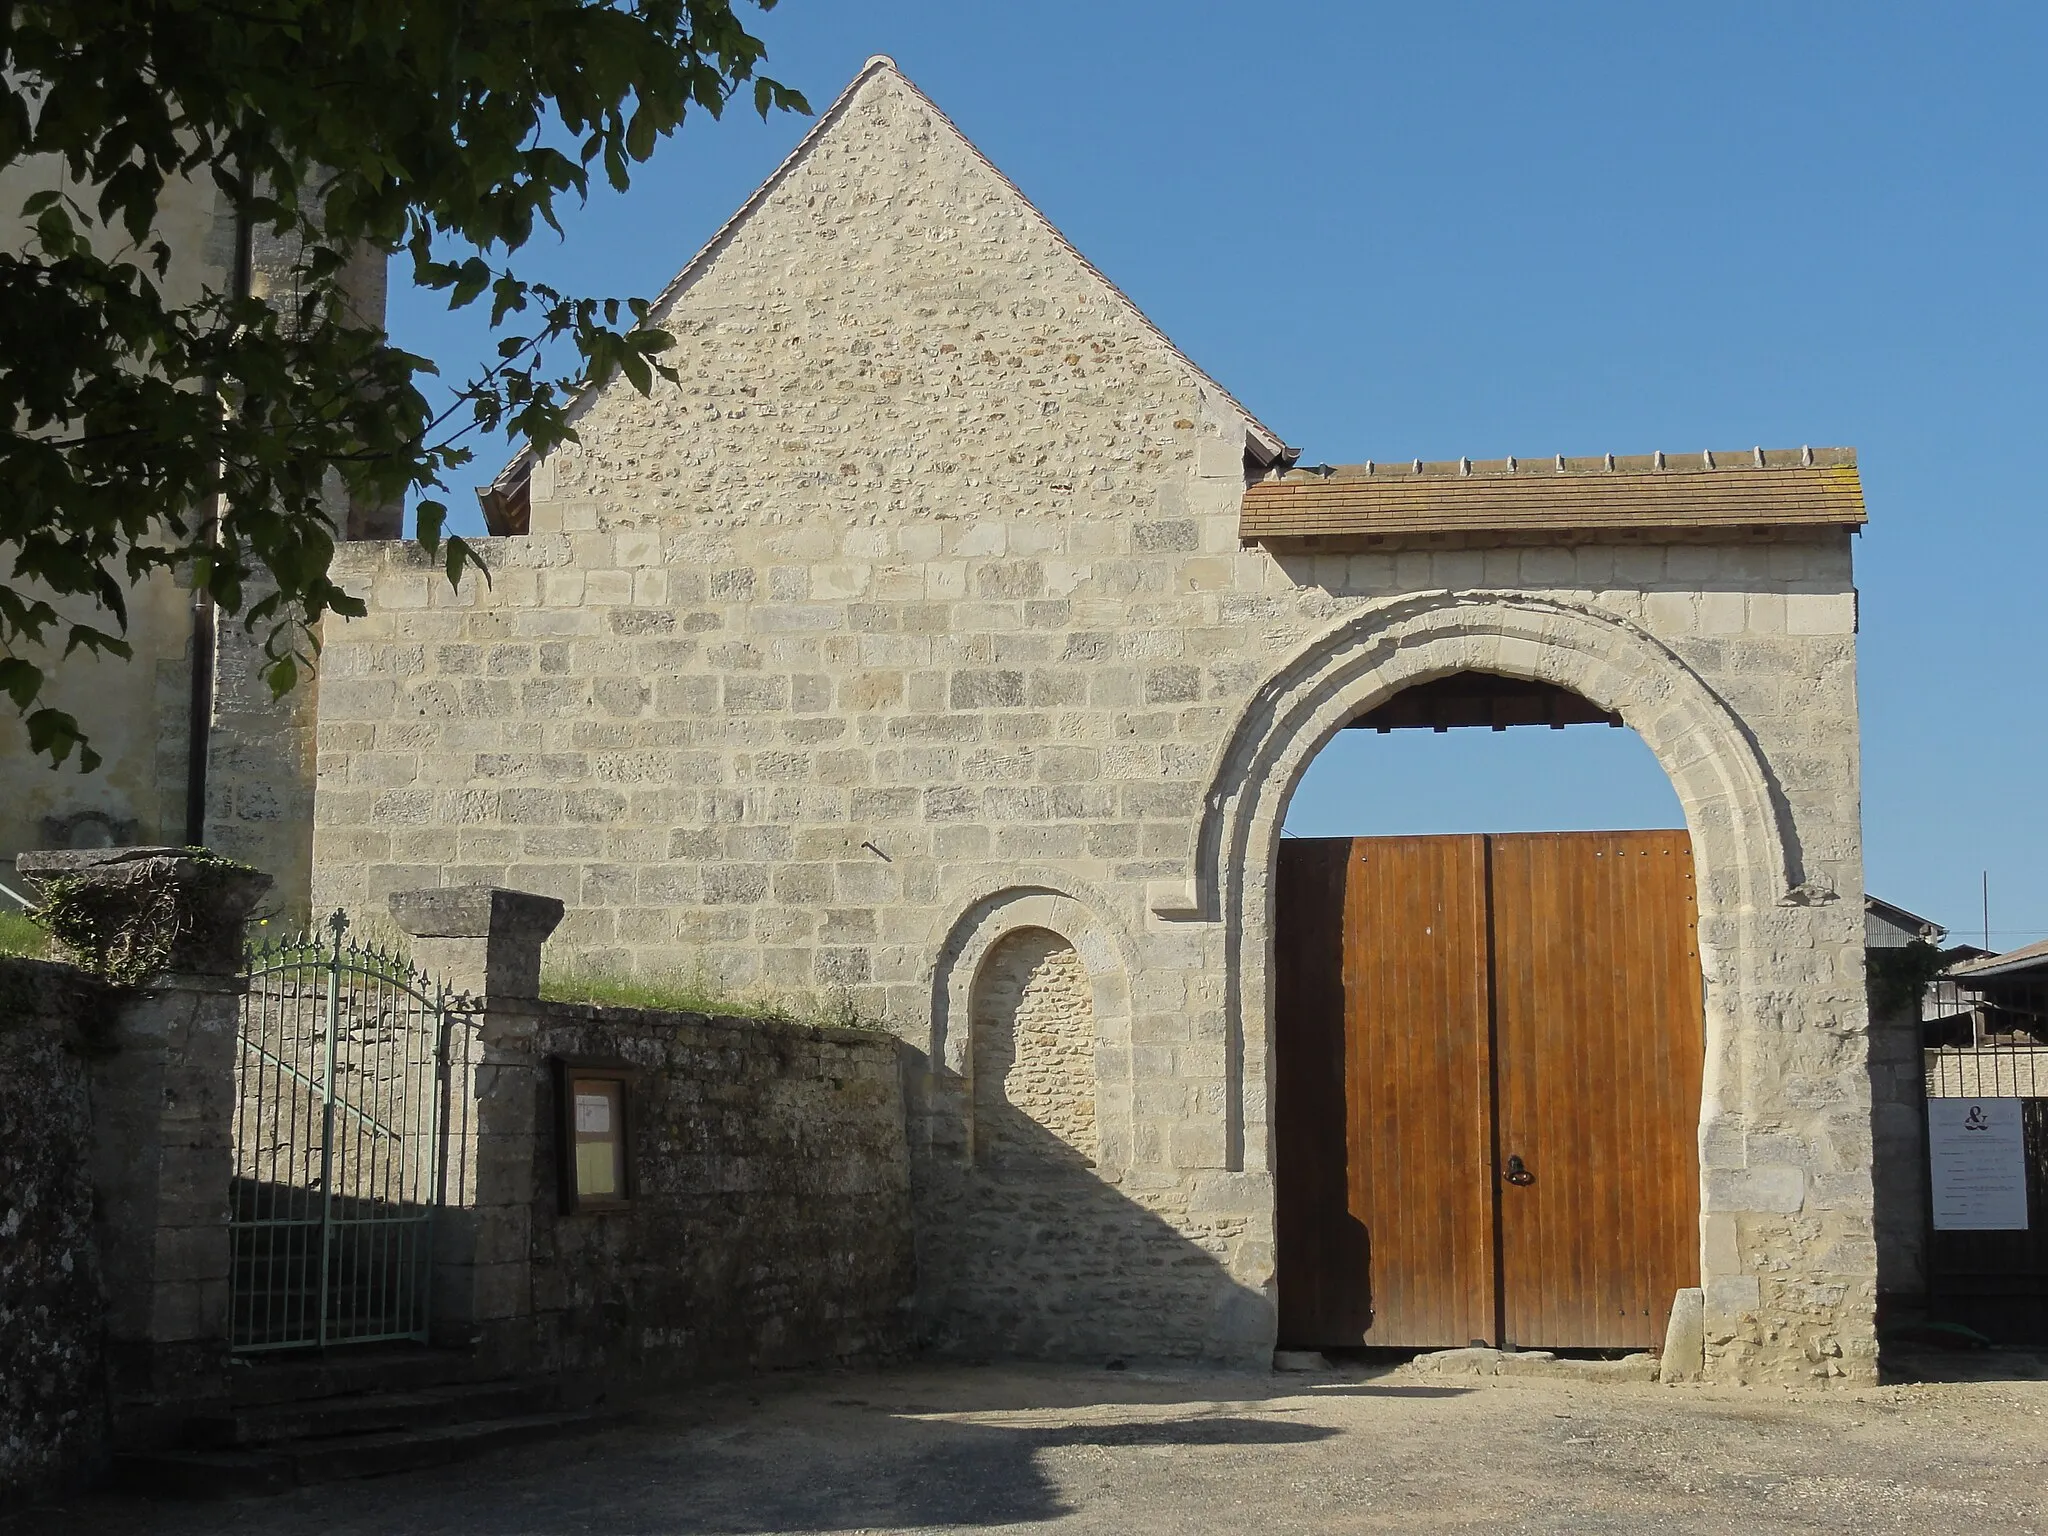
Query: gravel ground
x,y
1010,1448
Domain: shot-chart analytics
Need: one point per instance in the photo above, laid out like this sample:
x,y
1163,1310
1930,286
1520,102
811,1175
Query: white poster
x,y
1976,1150
594,1115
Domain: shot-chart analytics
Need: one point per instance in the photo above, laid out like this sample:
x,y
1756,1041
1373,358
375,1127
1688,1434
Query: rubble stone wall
x,y
53,1399
770,1224
1034,1050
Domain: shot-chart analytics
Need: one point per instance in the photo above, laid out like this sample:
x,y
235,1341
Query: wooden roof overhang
x,y
1466,699
1754,490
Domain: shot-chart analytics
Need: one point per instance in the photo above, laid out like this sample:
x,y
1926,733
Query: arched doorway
x,y
1488,1050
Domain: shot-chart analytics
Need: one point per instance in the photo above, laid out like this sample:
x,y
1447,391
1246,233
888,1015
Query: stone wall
x,y
771,1219
919,604
137,712
1898,1127
1023,1246
1034,1052
53,1401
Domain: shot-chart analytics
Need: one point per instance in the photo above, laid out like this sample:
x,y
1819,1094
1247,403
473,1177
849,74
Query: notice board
x,y
1976,1150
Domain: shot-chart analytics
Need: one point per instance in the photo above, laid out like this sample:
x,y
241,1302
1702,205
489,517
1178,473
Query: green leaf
x,y
430,518
20,680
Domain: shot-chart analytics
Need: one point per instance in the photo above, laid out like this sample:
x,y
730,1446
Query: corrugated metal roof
x,y
1814,487
2033,957
1897,915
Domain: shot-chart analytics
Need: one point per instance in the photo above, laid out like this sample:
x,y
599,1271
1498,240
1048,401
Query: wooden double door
x,y
1487,1089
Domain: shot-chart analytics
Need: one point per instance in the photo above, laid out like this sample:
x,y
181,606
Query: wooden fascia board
x,y
1829,497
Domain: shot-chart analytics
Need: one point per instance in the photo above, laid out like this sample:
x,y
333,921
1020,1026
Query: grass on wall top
x,y
691,992
20,936
673,992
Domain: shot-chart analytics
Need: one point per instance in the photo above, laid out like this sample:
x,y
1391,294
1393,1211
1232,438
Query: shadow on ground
x,y
1909,1363
925,1472
933,1448
964,1449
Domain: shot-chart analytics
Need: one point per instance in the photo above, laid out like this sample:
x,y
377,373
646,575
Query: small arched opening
x,y
1033,1053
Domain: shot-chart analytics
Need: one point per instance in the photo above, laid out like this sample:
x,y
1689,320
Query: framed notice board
x,y
593,1133
1977,1161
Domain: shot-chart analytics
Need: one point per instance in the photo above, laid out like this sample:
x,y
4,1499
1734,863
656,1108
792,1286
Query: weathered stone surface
x,y
163,1107
770,1224
205,900
1300,1360
1034,1040
478,940
1533,1364
1894,1141
52,1390
1685,1339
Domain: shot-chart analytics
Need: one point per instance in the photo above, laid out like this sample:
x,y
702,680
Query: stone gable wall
x,y
921,600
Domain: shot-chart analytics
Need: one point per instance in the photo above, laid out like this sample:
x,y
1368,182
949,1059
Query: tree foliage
x,y
219,434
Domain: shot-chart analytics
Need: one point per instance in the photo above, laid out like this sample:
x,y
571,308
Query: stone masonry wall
x,y
137,712
771,1220
922,593
53,1400
1898,1092
1034,1050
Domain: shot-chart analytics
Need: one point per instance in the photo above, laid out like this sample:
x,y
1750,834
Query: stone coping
x,y
617,1016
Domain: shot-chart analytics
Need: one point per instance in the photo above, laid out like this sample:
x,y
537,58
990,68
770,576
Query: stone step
x,y
370,1413
204,1474
1540,1364
300,1376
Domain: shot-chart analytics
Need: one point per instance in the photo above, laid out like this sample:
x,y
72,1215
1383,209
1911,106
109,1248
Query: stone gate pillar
x,y
162,1087
484,944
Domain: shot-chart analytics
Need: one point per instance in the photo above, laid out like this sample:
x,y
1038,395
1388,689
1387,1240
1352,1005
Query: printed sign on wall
x,y
1976,1150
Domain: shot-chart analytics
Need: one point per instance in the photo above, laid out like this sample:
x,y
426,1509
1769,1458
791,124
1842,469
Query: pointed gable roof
x,y
504,501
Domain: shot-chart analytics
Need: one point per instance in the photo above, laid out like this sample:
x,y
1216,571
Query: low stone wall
x,y
771,1223
53,1404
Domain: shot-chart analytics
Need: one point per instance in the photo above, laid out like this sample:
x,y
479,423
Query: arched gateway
x,y
943,635
1401,1220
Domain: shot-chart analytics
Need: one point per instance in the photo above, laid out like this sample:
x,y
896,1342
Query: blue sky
x,y
1490,229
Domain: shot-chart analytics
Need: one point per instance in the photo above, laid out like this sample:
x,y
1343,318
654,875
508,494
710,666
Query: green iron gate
x,y
341,1081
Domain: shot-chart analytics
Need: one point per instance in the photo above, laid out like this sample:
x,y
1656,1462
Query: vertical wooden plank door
x,y
1381,1110
1325,1292
1600,1044
1444,1004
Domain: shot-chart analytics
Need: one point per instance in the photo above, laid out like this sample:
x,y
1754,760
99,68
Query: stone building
x,y
211,758
948,636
